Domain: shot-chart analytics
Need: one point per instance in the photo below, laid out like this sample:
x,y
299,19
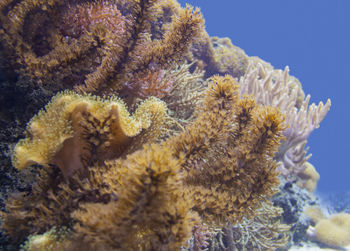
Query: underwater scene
x,y
174,125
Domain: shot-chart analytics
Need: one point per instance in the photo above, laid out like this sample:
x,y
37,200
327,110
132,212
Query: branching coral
x,y
263,232
228,153
276,88
270,87
93,45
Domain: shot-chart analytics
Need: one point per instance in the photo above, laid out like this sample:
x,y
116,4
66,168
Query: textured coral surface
x,y
157,137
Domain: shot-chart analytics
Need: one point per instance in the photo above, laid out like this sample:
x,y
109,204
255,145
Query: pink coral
x,y
79,18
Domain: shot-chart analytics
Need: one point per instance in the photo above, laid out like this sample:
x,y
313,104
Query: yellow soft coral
x,y
72,126
334,231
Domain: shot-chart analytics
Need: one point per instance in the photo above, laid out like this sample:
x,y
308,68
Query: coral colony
x,y
157,137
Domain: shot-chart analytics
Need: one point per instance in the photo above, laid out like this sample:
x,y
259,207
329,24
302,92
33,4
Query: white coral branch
x,y
276,88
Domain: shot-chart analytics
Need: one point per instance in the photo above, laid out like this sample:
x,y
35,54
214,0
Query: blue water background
x,y
312,37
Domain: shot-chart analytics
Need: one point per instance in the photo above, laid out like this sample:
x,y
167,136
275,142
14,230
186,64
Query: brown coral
x,y
93,45
151,212
110,180
221,167
69,138
130,204
76,131
219,56
228,151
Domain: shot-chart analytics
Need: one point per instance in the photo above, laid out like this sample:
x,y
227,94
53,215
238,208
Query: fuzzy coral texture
x,y
141,148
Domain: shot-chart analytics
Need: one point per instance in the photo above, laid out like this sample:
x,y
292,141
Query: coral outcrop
x,y
150,151
151,197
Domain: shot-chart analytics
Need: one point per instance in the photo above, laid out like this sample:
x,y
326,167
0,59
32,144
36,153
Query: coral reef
x,y
100,197
74,132
228,59
149,151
